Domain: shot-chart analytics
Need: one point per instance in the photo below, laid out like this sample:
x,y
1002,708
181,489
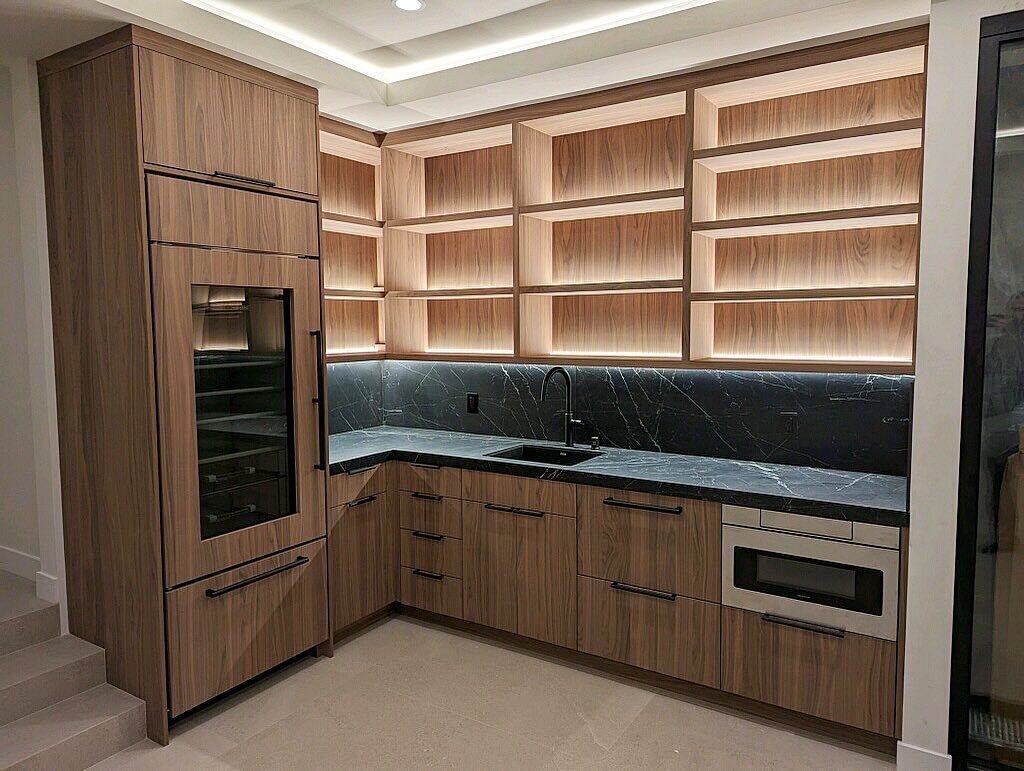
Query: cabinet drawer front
x,y
433,514
358,483
522,492
217,642
198,214
200,120
678,637
429,592
670,544
850,679
432,551
363,540
427,478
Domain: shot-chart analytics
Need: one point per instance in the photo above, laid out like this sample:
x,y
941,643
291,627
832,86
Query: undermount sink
x,y
562,456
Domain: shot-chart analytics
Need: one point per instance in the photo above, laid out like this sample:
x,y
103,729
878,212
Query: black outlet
x,y
472,402
789,423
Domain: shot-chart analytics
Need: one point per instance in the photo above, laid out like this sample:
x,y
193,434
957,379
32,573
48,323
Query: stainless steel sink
x,y
562,456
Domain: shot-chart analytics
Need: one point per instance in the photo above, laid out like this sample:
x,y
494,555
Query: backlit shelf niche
x,y
352,257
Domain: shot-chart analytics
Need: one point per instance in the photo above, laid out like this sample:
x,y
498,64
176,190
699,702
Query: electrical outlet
x,y
472,402
789,423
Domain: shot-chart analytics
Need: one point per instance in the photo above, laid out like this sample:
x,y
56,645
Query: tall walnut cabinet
x,y
183,213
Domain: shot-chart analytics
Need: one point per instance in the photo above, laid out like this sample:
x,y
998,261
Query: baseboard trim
x,y
910,757
18,562
47,587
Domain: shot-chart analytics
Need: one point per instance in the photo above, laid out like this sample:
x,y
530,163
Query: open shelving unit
x,y
764,215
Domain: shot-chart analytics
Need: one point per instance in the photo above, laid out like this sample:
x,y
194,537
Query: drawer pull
x,y
431,466
243,178
363,470
609,501
428,574
427,496
427,536
498,507
528,512
259,577
807,626
361,501
646,592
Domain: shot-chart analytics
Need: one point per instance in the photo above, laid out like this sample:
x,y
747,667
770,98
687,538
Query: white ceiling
x,y
385,69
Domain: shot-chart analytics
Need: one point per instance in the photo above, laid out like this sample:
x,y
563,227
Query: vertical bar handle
x,y
320,400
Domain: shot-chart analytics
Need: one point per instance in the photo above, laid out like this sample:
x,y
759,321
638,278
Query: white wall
x,y
945,230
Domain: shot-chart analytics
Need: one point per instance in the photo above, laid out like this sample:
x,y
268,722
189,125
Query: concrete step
x,y
75,733
36,677
24,619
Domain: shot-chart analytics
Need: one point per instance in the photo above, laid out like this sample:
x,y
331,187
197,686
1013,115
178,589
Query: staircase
x,y
56,709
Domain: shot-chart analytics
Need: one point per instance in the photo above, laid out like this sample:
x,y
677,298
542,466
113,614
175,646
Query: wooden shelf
x,y
367,355
781,144
450,324
810,293
377,293
797,222
607,206
353,326
606,287
454,223
349,176
454,294
354,226
879,88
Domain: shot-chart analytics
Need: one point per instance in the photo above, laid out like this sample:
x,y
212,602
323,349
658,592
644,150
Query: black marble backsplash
x,y
848,422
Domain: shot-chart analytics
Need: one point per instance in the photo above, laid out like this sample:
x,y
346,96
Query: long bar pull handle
x,y
428,574
528,512
363,469
609,501
361,501
243,178
427,536
645,592
497,507
807,626
427,496
253,579
320,400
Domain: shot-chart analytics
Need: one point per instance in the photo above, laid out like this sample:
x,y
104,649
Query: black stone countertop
x,y
849,495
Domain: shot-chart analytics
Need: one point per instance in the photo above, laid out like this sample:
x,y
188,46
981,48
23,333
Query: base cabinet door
x,y
364,558
489,566
659,631
546,578
849,679
224,630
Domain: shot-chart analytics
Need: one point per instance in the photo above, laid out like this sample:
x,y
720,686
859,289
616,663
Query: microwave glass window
x,y
811,577
243,391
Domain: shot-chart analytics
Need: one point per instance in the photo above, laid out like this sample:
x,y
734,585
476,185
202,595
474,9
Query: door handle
x,y
243,178
643,506
807,626
320,401
253,579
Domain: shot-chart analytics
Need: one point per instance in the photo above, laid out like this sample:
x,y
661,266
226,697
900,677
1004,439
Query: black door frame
x,y
995,30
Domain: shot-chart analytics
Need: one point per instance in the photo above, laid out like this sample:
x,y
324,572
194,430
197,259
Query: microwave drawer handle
x,y
259,577
609,501
645,592
243,178
807,626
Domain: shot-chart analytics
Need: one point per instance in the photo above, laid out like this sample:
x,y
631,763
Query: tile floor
x,y
407,695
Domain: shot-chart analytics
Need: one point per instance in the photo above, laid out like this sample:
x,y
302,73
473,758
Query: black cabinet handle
x,y
243,178
427,536
427,496
496,507
432,466
363,470
320,400
253,579
527,512
428,574
361,501
807,626
643,506
645,592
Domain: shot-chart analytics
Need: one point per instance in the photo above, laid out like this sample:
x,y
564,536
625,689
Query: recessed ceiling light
x,y
408,5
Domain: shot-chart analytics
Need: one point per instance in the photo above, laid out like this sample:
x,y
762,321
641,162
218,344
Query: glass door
x,y
987,693
239,364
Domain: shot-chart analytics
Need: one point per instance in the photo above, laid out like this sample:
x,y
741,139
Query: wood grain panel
x,y
426,478
349,261
876,329
877,179
432,551
630,248
677,637
849,679
469,258
669,552
489,581
532,151
347,486
618,324
105,380
402,185
216,643
434,514
185,212
364,558
348,187
527,493
620,159
472,324
470,181
198,119
885,256
545,574
438,595
861,104
351,325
